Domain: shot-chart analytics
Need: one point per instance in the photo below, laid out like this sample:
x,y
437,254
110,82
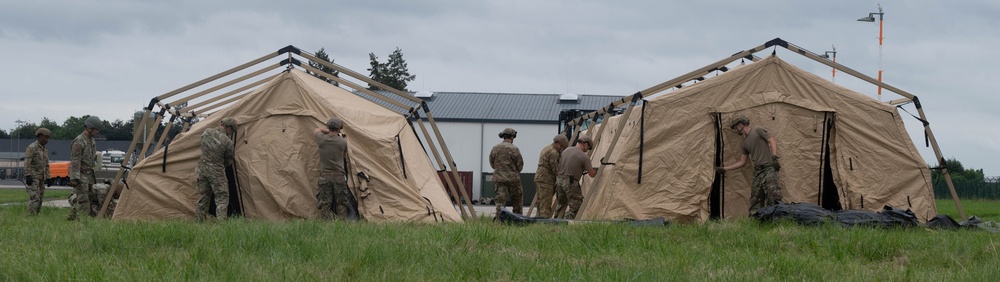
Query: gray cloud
x,y
109,58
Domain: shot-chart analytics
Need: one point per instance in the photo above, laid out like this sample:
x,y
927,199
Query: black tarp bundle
x,y
889,217
508,217
811,214
942,221
802,213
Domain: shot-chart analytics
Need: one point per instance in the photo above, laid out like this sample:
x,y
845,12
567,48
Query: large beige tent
x,y
839,149
276,159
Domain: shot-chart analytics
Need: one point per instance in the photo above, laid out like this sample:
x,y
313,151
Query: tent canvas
x,y
872,161
276,159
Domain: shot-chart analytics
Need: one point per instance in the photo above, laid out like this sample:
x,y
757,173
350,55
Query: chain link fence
x,y
988,188
11,172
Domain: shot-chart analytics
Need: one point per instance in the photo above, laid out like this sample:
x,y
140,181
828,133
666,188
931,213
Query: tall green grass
x,y
984,209
47,247
21,195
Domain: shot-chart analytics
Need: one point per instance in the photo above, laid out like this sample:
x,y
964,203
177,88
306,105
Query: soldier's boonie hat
x,y
509,132
738,120
93,122
229,122
43,131
335,123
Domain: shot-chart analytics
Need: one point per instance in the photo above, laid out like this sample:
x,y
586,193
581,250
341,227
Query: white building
x,y
471,122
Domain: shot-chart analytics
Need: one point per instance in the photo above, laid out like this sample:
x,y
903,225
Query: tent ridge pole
x,y
219,75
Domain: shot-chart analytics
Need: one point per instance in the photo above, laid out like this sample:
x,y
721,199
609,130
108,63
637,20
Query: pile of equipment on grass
x,y
508,217
888,217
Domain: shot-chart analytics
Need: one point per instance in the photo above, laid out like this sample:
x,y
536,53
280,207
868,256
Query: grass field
x,y
47,247
21,196
985,209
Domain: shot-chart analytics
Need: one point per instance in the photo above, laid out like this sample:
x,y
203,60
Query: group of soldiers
x,y
218,152
560,168
82,170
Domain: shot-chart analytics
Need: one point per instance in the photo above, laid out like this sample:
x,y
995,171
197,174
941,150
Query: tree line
x,y
117,130
969,183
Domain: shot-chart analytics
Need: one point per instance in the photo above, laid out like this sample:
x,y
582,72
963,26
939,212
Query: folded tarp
x,y
508,217
811,214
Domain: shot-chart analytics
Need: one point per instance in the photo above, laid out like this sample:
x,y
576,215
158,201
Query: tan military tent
x,y
276,159
838,148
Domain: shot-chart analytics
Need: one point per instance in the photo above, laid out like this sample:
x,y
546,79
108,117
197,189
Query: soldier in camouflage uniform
x,y
332,198
545,175
760,147
216,154
36,169
505,159
82,168
572,165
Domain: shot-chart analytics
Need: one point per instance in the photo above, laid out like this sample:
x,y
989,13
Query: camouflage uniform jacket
x,y
548,165
83,159
36,161
506,161
216,151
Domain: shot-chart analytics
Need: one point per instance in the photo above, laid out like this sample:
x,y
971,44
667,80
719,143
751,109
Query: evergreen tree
x,y
321,54
375,71
393,73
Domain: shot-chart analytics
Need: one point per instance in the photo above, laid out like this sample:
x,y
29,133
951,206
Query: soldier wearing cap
x,y
332,199
217,152
760,147
506,161
545,175
82,169
573,164
36,169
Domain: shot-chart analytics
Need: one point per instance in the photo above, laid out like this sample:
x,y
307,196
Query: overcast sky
x,y
108,58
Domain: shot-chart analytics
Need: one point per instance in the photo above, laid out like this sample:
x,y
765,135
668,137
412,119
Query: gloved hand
x,y
28,180
720,170
777,166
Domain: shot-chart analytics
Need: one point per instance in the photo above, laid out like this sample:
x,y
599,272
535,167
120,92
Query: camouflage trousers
x,y
513,191
212,184
569,196
546,192
332,199
83,200
35,193
765,190
102,191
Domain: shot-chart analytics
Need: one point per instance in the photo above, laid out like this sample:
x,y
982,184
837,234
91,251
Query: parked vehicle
x,y
58,174
110,163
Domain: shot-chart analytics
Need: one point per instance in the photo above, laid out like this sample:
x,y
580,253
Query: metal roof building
x,y
510,108
501,107
469,123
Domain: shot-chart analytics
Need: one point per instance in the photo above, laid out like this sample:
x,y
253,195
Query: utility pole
x,y
871,18
17,161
